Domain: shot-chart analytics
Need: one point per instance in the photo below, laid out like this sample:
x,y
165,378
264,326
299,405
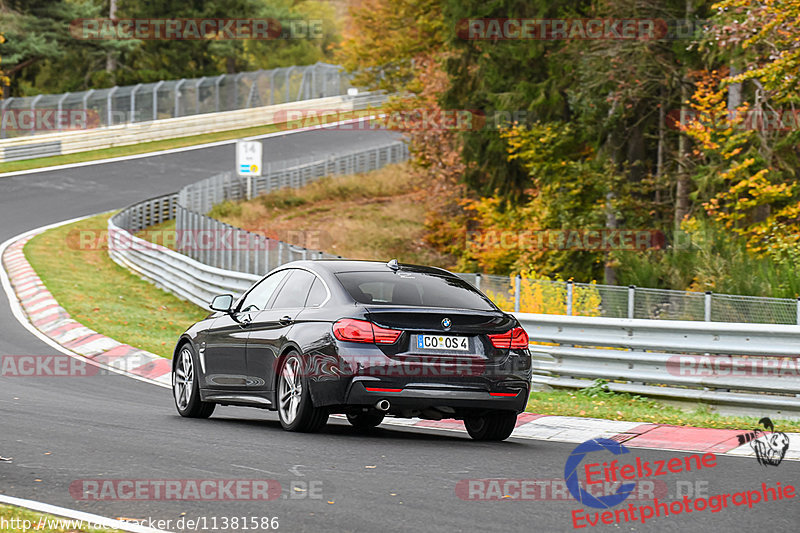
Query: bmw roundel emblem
x,y
446,323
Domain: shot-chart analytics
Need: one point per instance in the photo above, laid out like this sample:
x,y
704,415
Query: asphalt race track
x,y
62,430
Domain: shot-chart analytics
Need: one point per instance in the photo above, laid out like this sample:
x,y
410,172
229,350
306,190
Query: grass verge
x,y
21,519
103,296
145,147
597,402
379,216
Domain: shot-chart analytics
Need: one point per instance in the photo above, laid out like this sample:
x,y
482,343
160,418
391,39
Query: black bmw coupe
x,y
364,339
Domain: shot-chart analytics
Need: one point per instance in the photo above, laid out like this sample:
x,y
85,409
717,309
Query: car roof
x,y
336,266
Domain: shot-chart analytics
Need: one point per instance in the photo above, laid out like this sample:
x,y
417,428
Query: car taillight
x,y
516,339
352,330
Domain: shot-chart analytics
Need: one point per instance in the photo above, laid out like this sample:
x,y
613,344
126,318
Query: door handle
x,y
285,320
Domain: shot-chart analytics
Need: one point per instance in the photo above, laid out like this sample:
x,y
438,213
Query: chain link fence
x,y
590,299
97,108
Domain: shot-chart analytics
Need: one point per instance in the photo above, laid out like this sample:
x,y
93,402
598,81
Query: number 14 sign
x,y
248,158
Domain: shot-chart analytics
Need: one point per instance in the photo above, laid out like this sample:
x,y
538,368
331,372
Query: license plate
x,y
442,342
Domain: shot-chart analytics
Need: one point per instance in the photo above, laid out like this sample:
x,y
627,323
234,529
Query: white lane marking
x,y
77,515
182,149
256,469
19,314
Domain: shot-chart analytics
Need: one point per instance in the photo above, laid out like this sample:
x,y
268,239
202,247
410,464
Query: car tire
x,y
493,426
369,419
295,408
186,386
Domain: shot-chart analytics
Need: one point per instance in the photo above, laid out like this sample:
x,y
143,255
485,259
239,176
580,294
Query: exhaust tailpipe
x,y
382,405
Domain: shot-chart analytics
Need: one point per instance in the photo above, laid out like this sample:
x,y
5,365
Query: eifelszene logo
x,y
770,447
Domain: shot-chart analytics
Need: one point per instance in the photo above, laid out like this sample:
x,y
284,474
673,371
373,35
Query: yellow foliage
x,y
4,81
541,295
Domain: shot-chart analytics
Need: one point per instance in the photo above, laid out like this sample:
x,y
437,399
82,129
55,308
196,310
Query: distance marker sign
x,y
248,158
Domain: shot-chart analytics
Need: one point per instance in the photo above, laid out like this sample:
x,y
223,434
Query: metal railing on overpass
x,y
146,102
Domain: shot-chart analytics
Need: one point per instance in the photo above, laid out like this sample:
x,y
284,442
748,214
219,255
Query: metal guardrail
x,y
743,365
173,271
164,99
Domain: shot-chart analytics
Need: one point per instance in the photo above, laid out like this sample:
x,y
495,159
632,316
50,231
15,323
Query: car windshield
x,y
414,289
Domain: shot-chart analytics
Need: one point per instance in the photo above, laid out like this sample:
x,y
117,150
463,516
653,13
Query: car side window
x,y
259,296
317,294
295,291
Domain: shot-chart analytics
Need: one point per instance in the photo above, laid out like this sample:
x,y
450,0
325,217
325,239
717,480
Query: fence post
x,y
176,112
109,106
216,91
798,311
288,78
631,295
133,102
517,284
707,307
569,297
155,98
60,103
33,110
197,95
478,282
2,112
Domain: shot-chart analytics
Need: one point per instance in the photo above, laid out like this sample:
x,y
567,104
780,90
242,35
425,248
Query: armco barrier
x,y
746,365
173,271
69,142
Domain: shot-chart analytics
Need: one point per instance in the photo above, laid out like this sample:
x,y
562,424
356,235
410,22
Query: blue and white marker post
x,y
248,162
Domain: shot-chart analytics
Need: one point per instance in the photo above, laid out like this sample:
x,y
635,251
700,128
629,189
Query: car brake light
x,y
352,330
516,339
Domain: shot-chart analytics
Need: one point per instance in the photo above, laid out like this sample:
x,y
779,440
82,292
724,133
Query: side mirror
x,y
223,302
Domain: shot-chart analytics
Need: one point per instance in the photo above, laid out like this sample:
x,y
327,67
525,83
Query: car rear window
x,y
414,289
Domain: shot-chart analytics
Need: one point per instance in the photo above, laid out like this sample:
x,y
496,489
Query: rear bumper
x,y
427,395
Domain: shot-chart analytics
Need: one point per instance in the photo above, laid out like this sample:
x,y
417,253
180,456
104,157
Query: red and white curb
x,y
45,314
50,319
632,434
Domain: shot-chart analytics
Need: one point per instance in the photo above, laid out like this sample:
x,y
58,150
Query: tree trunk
x,y
609,272
662,120
734,91
682,186
111,61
